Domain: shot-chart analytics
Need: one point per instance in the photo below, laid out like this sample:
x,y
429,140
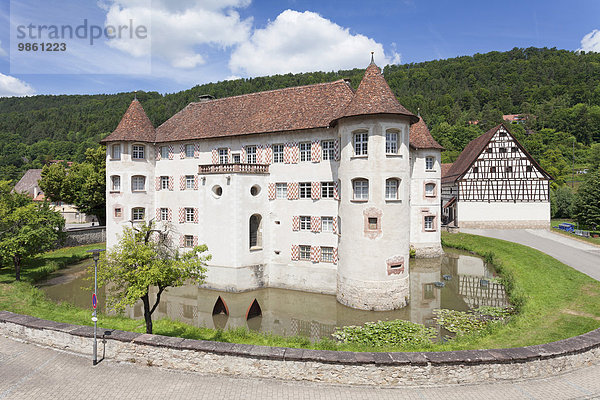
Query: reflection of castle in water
x,y
289,312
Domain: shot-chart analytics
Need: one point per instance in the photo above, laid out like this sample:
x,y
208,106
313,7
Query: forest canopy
x,y
558,90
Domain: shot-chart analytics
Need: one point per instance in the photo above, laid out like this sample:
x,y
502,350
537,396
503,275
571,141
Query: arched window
x,y
391,188
360,189
255,231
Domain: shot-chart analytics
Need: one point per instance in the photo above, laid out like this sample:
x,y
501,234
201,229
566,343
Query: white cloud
x,y
2,52
305,41
179,29
591,41
11,86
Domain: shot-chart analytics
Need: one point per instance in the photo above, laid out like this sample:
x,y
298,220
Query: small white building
x,y
495,183
317,188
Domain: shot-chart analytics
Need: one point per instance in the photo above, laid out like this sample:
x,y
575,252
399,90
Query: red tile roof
x,y
474,149
445,168
295,108
134,126
420,137
374,96
289,109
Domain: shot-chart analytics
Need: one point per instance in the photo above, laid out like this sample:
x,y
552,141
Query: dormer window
x,y
115,152
138,152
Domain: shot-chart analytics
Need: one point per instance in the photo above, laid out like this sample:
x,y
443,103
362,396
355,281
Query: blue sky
x,y
192,42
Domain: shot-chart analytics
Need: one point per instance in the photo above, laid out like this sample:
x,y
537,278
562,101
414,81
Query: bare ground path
x,y
28,371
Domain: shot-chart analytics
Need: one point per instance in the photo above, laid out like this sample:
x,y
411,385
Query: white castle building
x,y
317,188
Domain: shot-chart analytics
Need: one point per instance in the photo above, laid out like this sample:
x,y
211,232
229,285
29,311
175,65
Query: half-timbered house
x,y
495,183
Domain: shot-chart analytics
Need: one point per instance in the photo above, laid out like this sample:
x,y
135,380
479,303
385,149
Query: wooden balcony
x,y
233,169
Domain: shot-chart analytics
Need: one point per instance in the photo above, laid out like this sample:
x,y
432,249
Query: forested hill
x,y
560,88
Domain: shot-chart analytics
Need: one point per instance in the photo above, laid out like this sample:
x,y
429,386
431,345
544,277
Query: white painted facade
x,y
368,268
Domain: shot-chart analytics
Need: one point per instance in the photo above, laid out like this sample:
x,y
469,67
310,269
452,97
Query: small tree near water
x,y
145,257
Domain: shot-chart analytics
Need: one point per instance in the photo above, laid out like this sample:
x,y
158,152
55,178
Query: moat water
x,y
467,283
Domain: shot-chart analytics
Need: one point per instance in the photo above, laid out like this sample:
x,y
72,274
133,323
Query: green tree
x,y
587,203
27,228
561,202
594,157
83,184
145,257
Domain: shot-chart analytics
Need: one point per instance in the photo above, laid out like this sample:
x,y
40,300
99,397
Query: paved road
x,y
28,371
582,256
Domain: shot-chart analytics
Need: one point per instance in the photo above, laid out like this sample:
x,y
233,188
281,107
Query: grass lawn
x,y
554,302
556,222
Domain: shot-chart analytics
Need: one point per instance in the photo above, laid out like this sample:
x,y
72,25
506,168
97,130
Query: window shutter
x,y
259,154
215,156
295,153
295,223
197,150
268,154
315,151
315,254
181,182
181,241
335,255
195,182
292,190
195,215
157,153
171,151
336,148
315,190
243,156
315,224
335,223
295,252
171,183
336,191
157,187
229,156
182,151
169,215
195,240
287,153
272,191
181,215
157,215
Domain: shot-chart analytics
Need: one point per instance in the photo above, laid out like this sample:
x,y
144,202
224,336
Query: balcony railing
x,y
233,168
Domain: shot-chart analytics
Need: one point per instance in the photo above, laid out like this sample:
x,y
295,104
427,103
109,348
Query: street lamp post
x,y
96,256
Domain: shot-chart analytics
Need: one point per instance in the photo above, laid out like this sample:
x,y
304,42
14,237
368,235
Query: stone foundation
x,y
505,224
428,250
369,368
373,295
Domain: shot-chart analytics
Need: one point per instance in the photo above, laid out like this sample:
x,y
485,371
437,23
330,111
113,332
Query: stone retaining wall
x,y
87,235
383,369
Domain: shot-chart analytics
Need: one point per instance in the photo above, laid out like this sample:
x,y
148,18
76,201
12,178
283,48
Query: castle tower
x,y
374,209
130,162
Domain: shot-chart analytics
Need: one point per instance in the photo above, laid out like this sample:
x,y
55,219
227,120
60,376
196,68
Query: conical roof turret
x,y
374,96
135,126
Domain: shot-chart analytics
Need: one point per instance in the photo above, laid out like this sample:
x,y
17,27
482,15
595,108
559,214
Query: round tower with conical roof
x,y
374,208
